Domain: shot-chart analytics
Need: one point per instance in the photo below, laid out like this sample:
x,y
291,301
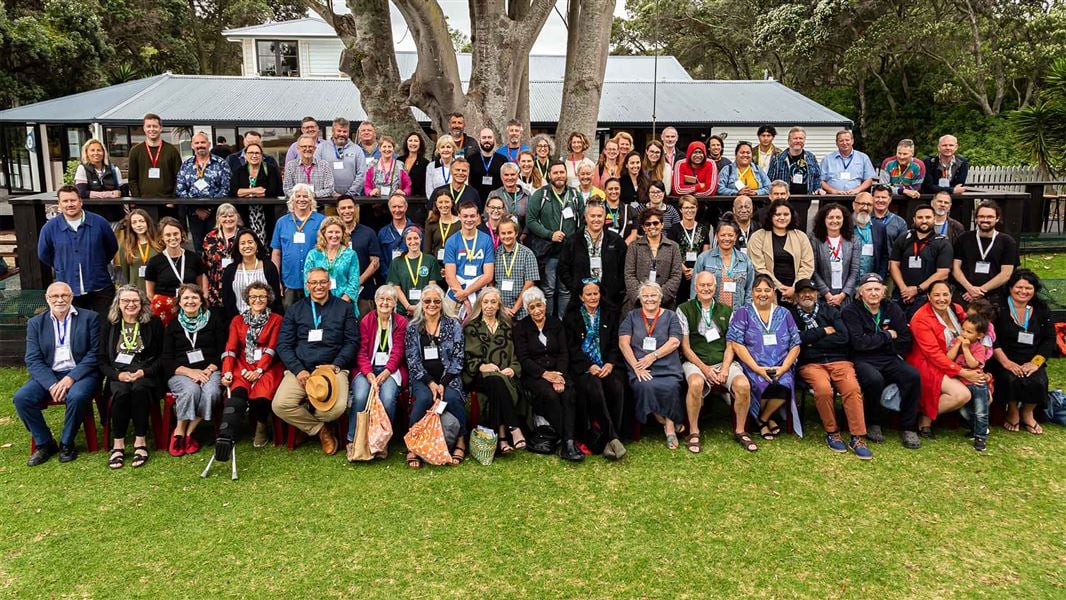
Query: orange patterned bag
x,y
426,439
380,431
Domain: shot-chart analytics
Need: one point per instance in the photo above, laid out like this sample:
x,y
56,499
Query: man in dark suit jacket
x,y
61,348
872,235
947,171
575,261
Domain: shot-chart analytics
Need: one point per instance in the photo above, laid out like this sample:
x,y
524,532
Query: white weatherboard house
x,y
291,70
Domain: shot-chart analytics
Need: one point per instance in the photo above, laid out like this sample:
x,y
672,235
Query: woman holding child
x,y
939,339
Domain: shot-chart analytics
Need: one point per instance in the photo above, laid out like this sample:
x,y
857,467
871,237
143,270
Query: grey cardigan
x,y
668,263
850,255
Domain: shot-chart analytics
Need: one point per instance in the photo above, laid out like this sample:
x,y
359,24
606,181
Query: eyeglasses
x,y
257,298
431,301
589,280
653,224
125,301
317,283
60,296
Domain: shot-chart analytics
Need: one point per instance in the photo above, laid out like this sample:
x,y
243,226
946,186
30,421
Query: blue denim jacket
x,y
743,273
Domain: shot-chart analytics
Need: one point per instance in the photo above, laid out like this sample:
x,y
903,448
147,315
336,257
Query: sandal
x,y
520,443
1015,426
505,447
671,441
140,456
769,433
117,459
458,455
413,461
1034,428
745,441
775,430
692,442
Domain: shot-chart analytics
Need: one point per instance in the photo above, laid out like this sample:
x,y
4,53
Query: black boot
x,y
570,452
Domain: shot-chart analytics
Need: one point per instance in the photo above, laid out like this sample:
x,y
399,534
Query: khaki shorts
x,y
734,372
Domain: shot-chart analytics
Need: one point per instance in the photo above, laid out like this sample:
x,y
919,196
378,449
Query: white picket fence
x,y
979,175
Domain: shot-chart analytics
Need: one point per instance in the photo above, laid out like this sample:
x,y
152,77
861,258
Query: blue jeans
x,y
553,288
423,400
32,398
976,410
361,392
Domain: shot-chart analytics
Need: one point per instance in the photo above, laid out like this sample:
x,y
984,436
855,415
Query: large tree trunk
x,y
587,46
365,32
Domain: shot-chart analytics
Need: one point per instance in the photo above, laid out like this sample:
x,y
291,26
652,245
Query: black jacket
x,y
534,356
931,183
609,350
874,344
229,297
340,336
211,340
147,359
817,347
271,183
574,266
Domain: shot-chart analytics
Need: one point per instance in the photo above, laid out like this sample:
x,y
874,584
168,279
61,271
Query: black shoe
x,y
926,433
874,434
223,448
910,440
42,453
67,453
979,444
570,452
540,446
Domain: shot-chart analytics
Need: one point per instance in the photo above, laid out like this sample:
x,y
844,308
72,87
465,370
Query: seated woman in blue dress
x,y
649,337
767,343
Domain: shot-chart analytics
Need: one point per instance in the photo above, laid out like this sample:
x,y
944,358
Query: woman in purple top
x,y
767,343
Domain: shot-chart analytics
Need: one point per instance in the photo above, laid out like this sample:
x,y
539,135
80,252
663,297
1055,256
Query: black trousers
x,y
557,408
875,375
131,401
497,408
234,409
601,400
98,301
1021,390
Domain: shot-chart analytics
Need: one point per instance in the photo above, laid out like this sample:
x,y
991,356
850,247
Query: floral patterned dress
x,y
216,256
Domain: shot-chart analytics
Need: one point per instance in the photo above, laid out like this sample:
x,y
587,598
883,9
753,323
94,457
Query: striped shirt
x,y
512,273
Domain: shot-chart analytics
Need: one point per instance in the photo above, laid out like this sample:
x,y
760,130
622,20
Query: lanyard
x,y
745,172
469,249
253,178
148,249
944,228
650,327
180,274
514,257
200,172
61,329
314,315
130,342
192,340
388,173
708,320
542,170
418,269
492,234
299,226
455,199
980,247
255,267
486,164
445,174
846,164
732,265
562,205
385,337
691,239
917,248
444,232
510,158
307,171
767,327
866,233
835,252
876,317
1014,315
153,159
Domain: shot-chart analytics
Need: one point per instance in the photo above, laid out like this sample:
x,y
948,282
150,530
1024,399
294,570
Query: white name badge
x,y
1025,338
440,255
414,294
650,344
469,270
845,176
568,213
837,280
226,262
944,182
867,249
396,254
332,283
486,180
380,358
797,178
338,165
711,334
982,267
729,286
314,335
63,354
141,270
744,250
123,358
385,190
298,237
430,353
915,262
200,184
440,407
153,173
690,256
769,339
740,185
651,276
257,355
595,262
195,356
507,285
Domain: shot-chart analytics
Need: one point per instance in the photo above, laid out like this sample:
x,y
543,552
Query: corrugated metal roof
x,y
297,28
194,99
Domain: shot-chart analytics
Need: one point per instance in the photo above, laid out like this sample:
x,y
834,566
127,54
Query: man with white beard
x,y
874,239
942,223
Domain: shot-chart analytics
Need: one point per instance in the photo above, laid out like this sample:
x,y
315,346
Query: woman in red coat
x,y
249,368
380,361
934,327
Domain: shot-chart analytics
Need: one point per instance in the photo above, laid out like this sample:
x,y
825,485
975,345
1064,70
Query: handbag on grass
x,y
379,431
426,439
483,445
359,449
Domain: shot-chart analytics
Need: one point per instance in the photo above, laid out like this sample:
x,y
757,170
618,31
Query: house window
x,y
277,58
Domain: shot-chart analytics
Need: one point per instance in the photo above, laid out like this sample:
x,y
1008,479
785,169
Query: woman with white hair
x,y
649,337
439,172
542,350
217,251
295,235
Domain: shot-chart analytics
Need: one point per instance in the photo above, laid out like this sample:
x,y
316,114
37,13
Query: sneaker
x,y
834,442
191,445
177,445
873,434
910,440
262,437
858,446
979,444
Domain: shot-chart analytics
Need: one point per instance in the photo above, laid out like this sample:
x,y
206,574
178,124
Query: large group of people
x,y
566,295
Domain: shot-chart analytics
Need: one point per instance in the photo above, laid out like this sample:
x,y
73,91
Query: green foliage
x,y
1040,130
70,171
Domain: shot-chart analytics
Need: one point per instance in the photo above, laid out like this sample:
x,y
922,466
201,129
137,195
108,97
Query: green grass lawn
x,y
793,520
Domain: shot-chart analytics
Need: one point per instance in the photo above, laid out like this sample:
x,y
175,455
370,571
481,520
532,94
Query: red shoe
x,y
191,445
177,445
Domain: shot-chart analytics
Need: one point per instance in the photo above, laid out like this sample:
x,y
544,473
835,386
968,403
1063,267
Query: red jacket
x,y
706,174
368,333
233,358
929,354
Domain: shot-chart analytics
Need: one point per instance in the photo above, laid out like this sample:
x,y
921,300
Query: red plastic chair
x,y
92,443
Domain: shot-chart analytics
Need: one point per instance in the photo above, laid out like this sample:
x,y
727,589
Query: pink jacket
x,y
368,333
